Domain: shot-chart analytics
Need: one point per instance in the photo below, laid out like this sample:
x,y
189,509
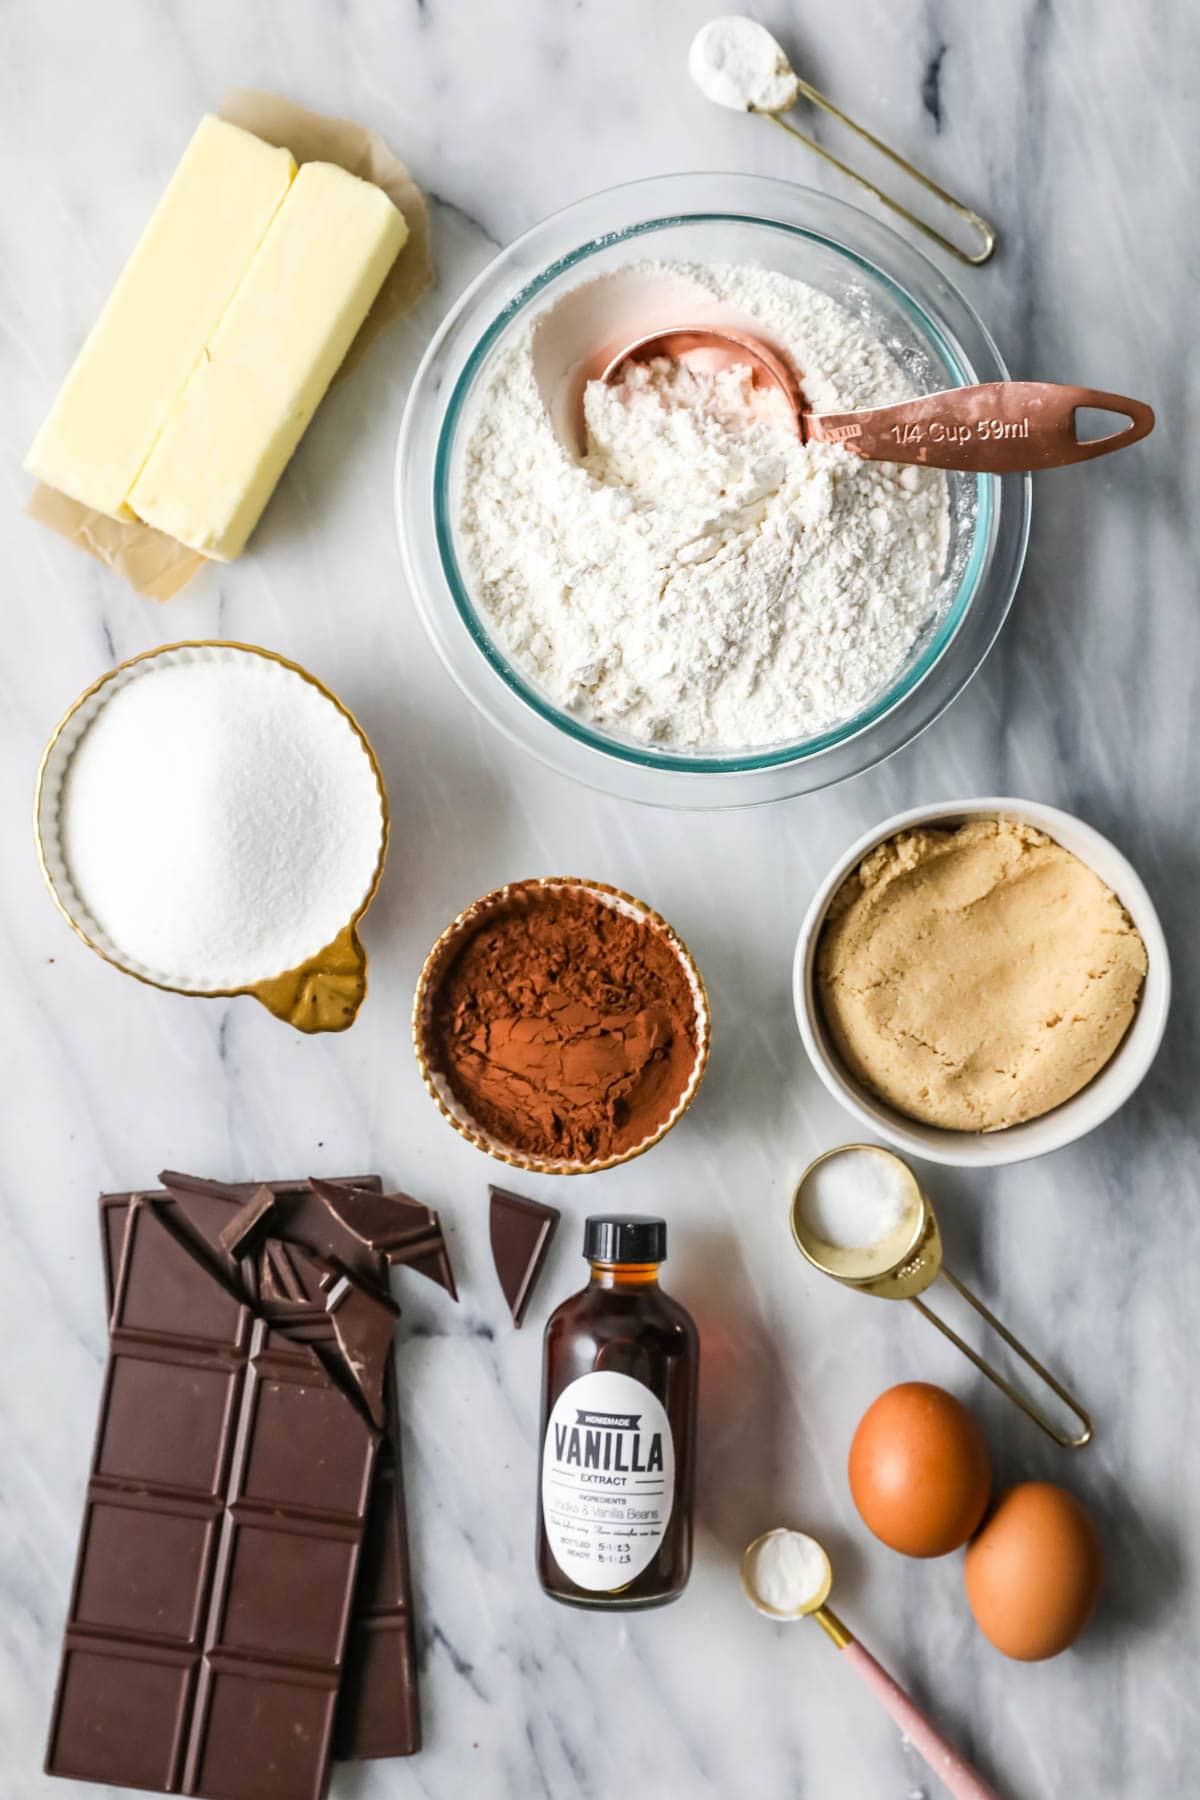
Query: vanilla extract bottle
x,y
619,1371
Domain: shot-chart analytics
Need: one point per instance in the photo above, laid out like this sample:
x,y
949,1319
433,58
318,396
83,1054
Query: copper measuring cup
x,y
994,428
903,1264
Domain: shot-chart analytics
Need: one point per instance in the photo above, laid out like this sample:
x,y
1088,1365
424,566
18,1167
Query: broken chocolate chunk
x,y
392,1225
249,1225
364,1323
521,1231
287,1276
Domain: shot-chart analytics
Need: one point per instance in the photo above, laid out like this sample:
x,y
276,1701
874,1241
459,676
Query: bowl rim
x,y
947,323
1074,1118
426,987
263,985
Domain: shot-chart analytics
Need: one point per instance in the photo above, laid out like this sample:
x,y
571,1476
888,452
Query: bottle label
x,y
608,1480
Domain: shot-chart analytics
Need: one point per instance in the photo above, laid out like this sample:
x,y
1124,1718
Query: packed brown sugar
x,y
977,978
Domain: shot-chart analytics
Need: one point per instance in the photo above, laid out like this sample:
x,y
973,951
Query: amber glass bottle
x,y
618,1428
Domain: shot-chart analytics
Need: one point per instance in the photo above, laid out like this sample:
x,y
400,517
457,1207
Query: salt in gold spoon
x,y
901,1265
735,62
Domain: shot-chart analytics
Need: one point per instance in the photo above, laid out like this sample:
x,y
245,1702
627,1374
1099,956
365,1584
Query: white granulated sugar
x,y
856,1199
700,578
737,63
787,1571
219,821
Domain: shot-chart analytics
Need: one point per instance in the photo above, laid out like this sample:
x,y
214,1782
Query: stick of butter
x,y
264,372
166,305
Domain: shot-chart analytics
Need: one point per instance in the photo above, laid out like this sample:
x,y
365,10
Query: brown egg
x,y
919,1470
1033,1573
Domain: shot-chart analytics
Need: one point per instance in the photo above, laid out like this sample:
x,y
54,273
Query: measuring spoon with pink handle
x,y
786,1575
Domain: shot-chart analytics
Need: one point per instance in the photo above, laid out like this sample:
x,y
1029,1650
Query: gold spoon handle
x,y
840,1635
1039,1418
995,428
986,233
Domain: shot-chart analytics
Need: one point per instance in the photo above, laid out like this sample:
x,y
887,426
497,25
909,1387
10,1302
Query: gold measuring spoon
x,y
737,63
809,1579
901,1265
994,428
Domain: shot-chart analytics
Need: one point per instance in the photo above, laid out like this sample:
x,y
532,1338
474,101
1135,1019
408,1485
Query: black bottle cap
x,y
625,1238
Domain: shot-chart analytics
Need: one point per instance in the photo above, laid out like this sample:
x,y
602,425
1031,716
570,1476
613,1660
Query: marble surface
x,y
1073,125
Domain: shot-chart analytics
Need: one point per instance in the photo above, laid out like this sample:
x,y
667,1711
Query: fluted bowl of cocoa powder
x,y
561,1025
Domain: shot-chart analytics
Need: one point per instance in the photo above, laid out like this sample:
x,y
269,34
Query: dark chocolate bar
x,y
378,1711
521,1231
225,1514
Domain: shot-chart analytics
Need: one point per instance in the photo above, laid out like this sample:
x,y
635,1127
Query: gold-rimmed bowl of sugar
x,y
211,819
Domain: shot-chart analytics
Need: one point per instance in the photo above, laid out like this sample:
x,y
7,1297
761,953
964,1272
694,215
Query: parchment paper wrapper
x,y
154,565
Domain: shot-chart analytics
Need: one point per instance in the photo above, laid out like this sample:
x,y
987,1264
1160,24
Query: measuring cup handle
x,y
951,1768
1082,1437
997,428
325,993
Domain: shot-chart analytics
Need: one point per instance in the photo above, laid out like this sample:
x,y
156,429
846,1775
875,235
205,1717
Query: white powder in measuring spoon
x,y
737,63
219,821
786,1570
700,578
856,1199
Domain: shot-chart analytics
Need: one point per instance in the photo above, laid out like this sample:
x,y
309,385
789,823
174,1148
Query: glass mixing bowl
x,y
926,324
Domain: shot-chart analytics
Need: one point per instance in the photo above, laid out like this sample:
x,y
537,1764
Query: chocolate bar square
x,y
289,1723
280,1468
268,1569
120,1715
198,1403
143,1570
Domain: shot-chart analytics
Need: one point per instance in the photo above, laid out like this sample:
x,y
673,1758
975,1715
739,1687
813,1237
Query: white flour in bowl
x,y
699,578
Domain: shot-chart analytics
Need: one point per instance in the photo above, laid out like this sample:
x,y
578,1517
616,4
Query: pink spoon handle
x,y
943,1759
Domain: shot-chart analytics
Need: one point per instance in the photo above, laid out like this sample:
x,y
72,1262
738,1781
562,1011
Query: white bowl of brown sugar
x,y
982,981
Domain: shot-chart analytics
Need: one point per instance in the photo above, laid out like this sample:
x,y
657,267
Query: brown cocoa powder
x,y
566,1028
